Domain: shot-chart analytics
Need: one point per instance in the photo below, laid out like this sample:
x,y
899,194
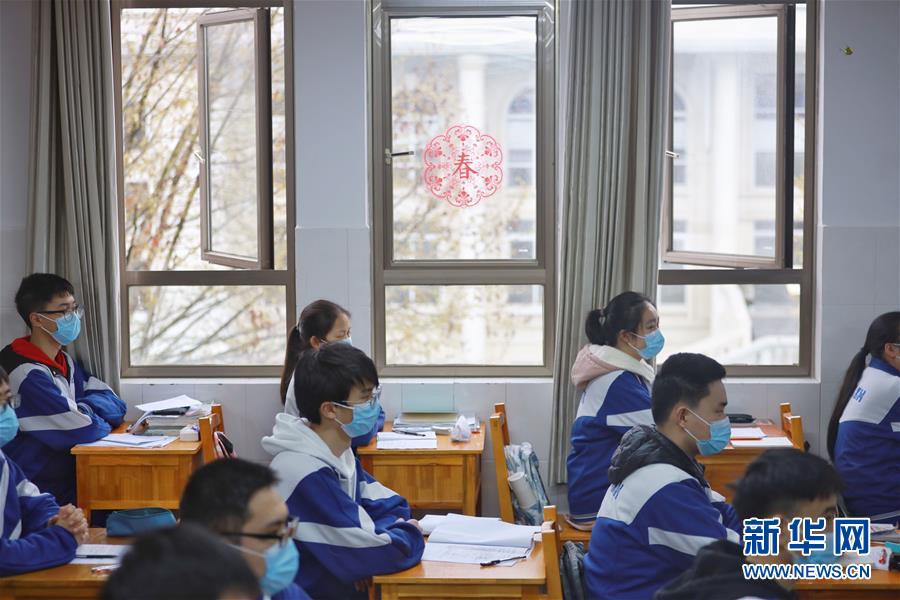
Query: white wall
x,y
859,221
15,100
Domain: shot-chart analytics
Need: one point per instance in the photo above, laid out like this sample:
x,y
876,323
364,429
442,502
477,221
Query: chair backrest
x,y
499,441
552,545
792,425
208,426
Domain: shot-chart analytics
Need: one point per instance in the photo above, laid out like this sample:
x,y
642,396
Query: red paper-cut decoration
x,y
463,166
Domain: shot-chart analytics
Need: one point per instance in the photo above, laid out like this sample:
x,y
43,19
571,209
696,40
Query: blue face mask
x,y
719,435
364,417
347,340
9,425
282,563
67,328
819,557
653,345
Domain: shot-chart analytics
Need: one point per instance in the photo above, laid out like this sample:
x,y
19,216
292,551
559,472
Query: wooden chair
x,y
499,425
551,542
792,425
208,426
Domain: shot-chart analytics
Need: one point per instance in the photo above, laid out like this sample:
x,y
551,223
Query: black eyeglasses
x,y
66,313
283,537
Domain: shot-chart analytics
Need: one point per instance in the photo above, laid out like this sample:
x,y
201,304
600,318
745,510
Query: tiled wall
x,y
15,91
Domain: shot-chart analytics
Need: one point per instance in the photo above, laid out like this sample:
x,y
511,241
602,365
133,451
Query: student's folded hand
x,y
416,523
72,520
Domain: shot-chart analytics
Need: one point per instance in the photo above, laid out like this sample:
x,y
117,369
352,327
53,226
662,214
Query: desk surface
x,y
881,580
66,577
176,447
530,571
770,429
444,445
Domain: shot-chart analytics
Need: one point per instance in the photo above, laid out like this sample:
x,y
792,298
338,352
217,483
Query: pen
x,y
96,556
404,432
497,561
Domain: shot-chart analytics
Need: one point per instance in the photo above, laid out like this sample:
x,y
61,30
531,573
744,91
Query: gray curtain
x,y
72,219
616,126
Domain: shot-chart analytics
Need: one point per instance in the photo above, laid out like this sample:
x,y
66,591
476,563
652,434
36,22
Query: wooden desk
x,y
115,478
729,465
429,580
883,584
448,478
66,581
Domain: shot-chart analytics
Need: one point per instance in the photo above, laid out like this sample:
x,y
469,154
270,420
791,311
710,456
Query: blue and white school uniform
x,y
657,514
615,398
867,448
61,405
26,542
348,527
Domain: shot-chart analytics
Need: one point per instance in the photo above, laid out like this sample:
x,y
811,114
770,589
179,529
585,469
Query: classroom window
x,y
206,201
464,118
734,279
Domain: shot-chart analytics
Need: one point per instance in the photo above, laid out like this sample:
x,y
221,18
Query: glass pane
x,y
465,324
231,136
724,79
160,115
207,325
799,132
735,324
467,190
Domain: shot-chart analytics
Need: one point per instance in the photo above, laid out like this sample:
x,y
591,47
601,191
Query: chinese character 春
x,y
851,535
761,537
807,535
464,166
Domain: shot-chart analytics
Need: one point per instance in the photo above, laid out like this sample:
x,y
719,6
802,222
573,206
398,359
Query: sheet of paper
x,y
176,402
390,435
472,554
461,529
152,441
769,442
99,554
429,522
747,433
408,443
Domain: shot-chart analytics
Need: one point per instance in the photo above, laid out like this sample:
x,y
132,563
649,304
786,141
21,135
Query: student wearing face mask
x,y
613,377
659,510
864,432
35,533
237,500
350,526
784,484
321,322
61,404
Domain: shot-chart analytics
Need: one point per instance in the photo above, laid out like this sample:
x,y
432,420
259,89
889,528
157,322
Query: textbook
x,y
479,540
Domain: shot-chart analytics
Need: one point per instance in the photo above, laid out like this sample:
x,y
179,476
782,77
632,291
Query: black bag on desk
x,y
135,521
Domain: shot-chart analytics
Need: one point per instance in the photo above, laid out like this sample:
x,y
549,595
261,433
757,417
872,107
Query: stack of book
x,y
428,421
169,417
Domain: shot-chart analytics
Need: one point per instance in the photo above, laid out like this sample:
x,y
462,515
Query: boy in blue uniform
x,y
60,404
350,526
659,510
237,500
35,533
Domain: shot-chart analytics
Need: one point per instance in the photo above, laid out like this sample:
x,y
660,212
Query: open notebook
x,y
479,540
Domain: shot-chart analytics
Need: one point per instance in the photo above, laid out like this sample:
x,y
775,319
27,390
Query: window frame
x,y
264,158
539,271
783,272
245,278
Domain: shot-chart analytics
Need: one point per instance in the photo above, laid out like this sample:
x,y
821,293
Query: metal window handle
x,y
407,153
670,154
199,157
388,155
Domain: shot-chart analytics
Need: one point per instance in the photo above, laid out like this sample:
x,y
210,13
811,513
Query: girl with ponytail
x,y
613,378
321,322
864,431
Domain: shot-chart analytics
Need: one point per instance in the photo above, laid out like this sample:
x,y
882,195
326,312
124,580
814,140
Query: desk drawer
x,y
433,482
130,478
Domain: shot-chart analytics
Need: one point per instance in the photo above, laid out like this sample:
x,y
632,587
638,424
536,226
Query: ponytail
x,y
316,320
885,329
624,312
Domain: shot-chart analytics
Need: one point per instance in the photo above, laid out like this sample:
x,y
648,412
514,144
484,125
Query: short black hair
x,y
328,374
218,494
683,377
37,291
778,479
180,562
